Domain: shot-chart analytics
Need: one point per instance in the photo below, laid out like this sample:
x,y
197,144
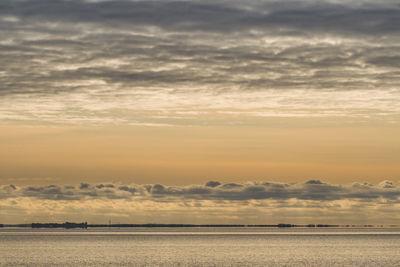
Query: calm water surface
x,y
200,247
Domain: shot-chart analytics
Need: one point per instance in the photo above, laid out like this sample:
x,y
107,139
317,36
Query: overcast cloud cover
x,y
213,202
178,62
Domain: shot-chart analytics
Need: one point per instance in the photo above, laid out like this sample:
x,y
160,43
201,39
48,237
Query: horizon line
x,y
68,225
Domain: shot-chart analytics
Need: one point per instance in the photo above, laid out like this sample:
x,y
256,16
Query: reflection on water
x,y
201,247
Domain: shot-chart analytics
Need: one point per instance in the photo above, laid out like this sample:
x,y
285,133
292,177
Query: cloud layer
x,y
214,201
213,190
167,62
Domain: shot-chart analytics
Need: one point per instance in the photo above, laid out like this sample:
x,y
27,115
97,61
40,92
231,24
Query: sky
x,y
221,111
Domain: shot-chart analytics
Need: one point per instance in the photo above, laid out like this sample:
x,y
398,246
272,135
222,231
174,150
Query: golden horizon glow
x,y
187,155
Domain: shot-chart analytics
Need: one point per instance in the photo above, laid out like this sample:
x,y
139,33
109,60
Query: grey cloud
x,y
387,184
231,185
128,189
13,187
84,186
184,17
313,190
69,187
213,184
217,16
314,182
100,186
54,192
219,47
50,192
386,61
160,191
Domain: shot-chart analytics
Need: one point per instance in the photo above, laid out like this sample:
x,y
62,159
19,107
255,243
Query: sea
x,y
200,247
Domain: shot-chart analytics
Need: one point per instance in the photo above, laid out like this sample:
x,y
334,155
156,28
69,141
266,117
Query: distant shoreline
x,y
69,225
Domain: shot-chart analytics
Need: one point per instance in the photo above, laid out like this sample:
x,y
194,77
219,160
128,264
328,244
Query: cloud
x,y
314,182
309,190
218,16
84,186
260,202
78,57
213,183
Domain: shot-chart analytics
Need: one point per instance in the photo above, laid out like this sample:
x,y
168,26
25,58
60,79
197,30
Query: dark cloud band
x,y
157,51
310,190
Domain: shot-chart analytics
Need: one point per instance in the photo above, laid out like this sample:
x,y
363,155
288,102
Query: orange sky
x,y
195,154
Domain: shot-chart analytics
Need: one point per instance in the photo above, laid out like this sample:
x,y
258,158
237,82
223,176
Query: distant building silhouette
x,y
66,225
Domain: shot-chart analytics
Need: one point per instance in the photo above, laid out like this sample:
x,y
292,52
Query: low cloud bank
x,y
312,201
213,190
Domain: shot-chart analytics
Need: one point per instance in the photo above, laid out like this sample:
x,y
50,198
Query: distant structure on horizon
x,y
66,225
85,225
